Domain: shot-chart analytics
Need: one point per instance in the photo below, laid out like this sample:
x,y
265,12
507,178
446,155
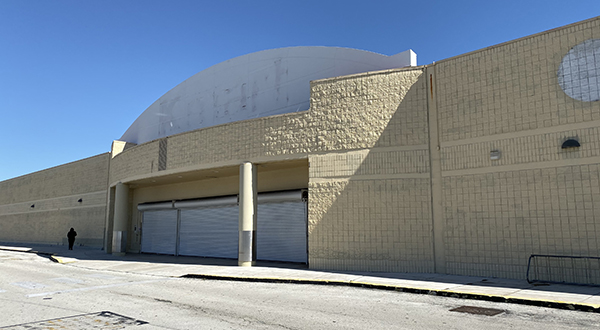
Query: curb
x,y
442,293
62,260
41,253
48,255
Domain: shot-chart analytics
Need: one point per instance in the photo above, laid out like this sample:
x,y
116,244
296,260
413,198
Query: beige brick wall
x,y
370,199
51,227
511,87
378,109
135,161
83,176
537,198
239,141
55,194
373,160
531,148
495,221
368,129
372,225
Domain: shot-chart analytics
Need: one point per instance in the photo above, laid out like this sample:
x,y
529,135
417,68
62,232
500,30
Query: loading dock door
x,y
281,227
209,232
209,228
159,231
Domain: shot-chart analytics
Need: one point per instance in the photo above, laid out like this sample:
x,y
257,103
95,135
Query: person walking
x,y
71,236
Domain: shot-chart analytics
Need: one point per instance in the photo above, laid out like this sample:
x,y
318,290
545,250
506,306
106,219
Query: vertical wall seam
x,y
437,220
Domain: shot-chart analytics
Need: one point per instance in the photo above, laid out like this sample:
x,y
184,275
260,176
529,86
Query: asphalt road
x,y
37,293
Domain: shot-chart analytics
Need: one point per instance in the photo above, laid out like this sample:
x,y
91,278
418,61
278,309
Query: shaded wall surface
x,y
42,206
370,199
463,170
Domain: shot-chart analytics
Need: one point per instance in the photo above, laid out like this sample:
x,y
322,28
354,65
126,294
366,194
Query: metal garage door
x,y
209,227
281,227
159,231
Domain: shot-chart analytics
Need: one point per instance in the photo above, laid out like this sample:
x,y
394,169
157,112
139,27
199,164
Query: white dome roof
x,y
256,85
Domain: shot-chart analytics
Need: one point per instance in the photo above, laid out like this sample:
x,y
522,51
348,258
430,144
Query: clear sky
x,y
75,74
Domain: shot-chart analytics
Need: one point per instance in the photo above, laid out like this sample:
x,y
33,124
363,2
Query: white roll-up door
x,y
209,232
281,231
159,231
210,227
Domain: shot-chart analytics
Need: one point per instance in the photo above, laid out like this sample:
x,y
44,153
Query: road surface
x,y
38,293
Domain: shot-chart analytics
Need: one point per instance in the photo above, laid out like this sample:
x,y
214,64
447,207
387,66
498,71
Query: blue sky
x,y
75,74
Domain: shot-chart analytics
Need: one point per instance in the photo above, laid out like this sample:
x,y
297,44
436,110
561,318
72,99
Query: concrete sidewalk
x,y
584,298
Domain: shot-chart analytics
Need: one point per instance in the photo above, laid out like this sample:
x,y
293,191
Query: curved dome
x,y
256,85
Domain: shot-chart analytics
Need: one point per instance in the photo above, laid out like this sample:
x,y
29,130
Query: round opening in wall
x,y
579,71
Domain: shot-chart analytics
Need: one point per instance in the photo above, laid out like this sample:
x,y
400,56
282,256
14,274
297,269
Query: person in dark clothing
x,y
71,236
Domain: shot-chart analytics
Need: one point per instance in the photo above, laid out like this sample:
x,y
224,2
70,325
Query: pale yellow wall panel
x,y
138,160
51,227
511,87
536,198
42,207
502,218
381,225
83,176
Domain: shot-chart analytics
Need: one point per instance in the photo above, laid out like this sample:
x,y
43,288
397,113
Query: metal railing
x,y
578,270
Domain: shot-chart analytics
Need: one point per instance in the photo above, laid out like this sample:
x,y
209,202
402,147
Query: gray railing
x,y
578,270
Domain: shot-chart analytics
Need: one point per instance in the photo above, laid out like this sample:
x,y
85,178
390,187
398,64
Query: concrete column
x,y
121,219
247,225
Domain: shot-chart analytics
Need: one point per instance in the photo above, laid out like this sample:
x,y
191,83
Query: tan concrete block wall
x,y
537,148
495,221
369,162
511,87
363,109
54,194
370,200
537,198
83,176
379,109
237,141
92,199
379,122
135,161
370,225
51,227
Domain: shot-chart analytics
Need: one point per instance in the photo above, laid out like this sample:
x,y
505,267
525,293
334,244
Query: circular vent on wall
x,y
579,71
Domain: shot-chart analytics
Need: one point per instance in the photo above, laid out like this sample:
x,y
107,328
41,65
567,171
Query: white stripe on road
x,y
92,288
68,280
29,285
104,277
